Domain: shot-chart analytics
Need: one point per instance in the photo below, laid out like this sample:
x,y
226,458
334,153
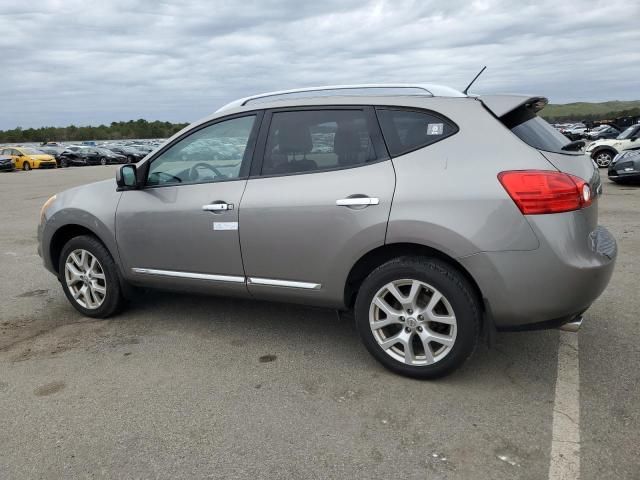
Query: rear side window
x,y
535,131
314,140
408,130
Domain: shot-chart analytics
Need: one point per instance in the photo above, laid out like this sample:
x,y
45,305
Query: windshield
x,y
627,133
535,131
31,151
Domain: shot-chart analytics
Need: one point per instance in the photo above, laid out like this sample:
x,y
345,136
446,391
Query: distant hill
x,y
590,111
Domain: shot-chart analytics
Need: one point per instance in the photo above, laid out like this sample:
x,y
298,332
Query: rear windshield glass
x,y
535,131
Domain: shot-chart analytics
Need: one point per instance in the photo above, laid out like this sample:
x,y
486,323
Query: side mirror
x,y
126,177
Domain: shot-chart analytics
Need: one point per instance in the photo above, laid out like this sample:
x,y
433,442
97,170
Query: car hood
x,y
43,158
606,141
99,189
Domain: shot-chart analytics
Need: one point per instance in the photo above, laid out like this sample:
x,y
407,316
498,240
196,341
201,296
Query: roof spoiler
x,y
500,105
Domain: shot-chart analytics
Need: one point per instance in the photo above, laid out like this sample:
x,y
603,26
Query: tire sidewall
x,y
113,296
451,284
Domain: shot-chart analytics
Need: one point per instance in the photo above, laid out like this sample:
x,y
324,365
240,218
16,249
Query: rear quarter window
x,y
407,130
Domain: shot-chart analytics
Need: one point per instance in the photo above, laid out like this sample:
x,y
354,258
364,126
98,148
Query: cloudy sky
x,y
85,62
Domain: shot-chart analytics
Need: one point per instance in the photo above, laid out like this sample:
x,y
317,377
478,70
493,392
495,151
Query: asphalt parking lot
x,y
190,387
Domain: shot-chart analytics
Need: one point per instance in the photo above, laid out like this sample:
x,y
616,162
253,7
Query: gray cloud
x,y
85,62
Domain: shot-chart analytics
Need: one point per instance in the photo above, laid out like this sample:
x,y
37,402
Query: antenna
x,y
474,79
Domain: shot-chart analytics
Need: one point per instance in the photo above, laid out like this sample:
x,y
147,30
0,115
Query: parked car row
x,y
54,154
604,151
603,142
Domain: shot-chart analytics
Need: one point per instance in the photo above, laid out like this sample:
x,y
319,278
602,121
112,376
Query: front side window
x,y
315,140
211,154
408,130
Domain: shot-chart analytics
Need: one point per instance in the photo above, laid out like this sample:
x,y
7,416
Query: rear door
x,y
316,202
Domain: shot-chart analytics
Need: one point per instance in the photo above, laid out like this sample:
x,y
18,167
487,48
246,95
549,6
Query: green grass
x,y
590,111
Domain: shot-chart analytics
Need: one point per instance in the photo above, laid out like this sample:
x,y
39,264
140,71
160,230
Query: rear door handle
x,y
357,201
217,207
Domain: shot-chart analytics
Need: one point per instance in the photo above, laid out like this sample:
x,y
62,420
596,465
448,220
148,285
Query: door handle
x,y
357,201
217,207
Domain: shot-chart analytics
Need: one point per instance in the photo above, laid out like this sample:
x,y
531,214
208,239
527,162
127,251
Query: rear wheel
x,y
26,166
418,317
89,277
603,158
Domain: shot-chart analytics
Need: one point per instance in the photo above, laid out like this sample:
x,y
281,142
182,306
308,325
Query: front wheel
x,y
418,317
89,277
103,161
26,166
603,158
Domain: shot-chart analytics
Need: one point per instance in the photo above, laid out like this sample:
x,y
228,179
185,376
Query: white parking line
x,y
565,435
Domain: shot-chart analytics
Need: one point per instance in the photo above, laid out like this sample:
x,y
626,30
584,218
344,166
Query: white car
x,y
603,151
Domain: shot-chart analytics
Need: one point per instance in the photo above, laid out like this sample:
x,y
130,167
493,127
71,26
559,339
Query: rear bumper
x,y
546,287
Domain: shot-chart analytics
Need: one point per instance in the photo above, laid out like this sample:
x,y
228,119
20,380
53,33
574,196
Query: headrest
x,y
346,139
294,138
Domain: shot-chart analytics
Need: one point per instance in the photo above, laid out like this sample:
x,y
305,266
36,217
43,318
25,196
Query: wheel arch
x,y
376,257
62,235
600,148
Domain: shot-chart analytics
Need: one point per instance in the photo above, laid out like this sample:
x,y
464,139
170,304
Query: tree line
x,y
115,131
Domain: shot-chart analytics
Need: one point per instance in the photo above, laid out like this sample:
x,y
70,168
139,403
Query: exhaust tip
x,y
572,326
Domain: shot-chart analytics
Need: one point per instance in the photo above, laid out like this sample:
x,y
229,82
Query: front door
x,y
181,228
319,202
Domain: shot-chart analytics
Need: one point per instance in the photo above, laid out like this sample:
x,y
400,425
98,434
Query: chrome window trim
x,y
190,275
271,282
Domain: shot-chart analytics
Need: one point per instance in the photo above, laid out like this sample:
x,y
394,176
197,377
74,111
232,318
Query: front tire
x,y
103,161
26,166
418,317
603,158
89,277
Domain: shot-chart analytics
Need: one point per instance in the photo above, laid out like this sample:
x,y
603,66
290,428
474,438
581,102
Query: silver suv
x,y
434,216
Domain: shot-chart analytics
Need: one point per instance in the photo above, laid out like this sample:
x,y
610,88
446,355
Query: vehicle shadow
x,y
523,359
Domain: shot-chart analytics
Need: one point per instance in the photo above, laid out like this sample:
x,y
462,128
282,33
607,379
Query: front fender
x,y
91,207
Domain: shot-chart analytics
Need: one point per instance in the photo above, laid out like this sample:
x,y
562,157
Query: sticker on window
x,y
435,129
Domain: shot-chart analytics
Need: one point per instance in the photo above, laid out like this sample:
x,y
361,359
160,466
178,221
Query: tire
x,y
603,158
129,159
459,302
103,161
64,163
26,166
112,298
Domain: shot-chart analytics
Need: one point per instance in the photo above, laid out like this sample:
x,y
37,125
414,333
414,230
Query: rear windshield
x,y
535,131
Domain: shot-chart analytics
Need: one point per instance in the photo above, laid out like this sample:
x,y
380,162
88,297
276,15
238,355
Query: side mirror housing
x,y
127,177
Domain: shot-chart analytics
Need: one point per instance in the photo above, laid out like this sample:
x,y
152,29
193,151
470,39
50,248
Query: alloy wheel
x,y
85,279
603,159
413,322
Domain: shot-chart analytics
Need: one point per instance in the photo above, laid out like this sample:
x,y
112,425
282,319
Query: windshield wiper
x,y
574,146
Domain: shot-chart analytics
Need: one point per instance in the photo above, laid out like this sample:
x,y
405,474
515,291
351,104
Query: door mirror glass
x,y
126,176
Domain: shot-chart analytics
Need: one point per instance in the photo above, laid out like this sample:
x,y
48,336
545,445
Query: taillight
x,y
541,191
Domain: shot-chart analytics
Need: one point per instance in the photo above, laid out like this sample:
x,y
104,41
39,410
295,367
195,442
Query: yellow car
x,y
27,158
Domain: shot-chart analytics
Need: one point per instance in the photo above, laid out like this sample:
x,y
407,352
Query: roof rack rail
x,y
429,90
